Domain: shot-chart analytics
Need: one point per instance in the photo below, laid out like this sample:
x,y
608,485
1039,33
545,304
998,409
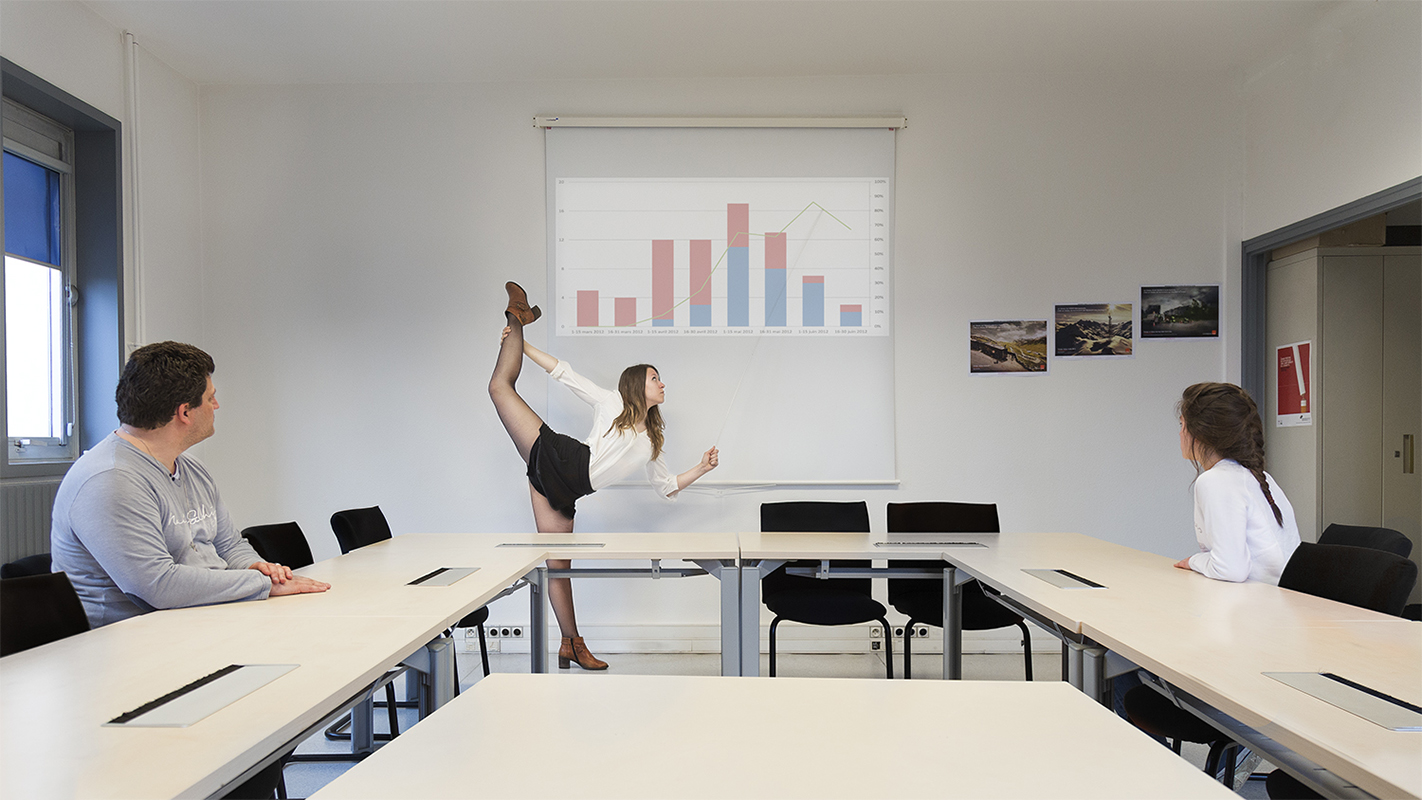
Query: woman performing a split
x,y
626,434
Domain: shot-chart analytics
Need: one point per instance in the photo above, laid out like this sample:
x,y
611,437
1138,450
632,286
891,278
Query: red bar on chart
x,y
662,301
701,282
738,224
775,250
625,312
587,309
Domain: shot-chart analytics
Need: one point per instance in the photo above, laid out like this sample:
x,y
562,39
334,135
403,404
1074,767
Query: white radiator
x,y
25,506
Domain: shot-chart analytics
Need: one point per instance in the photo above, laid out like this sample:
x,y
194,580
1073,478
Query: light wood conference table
x,y
1213,640
715,554
55,699
618,736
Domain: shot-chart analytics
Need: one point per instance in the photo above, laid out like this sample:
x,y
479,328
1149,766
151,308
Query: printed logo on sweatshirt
x,y
194,516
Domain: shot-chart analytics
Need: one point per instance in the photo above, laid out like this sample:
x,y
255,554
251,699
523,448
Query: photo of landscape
x,y
1180,312
1093,330
1007,346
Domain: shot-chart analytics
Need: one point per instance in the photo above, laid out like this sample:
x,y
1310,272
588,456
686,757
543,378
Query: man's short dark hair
x,y
157,379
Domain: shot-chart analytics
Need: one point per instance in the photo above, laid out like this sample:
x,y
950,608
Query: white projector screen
x,y
752,267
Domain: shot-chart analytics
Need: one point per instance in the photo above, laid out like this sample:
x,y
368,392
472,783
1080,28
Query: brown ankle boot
x,y
573,650
518,305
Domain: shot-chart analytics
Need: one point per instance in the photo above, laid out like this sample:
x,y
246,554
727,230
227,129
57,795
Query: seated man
x,y
138,525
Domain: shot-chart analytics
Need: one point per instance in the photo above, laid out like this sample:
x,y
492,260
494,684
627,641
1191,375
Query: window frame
x,y
22,121
98,266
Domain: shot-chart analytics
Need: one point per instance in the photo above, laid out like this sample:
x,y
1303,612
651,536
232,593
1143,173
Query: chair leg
x,y
1221,756
483,650
908,650
773,623
392,708
889,646
455,656
1026,648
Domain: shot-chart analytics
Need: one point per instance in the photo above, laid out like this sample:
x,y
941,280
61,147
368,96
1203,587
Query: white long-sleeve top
x,y
1239,538
615,454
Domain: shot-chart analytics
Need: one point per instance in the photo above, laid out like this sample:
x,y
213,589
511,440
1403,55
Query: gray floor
x,y
303,779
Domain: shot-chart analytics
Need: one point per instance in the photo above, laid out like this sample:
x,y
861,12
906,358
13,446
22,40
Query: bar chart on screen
x,y
722,256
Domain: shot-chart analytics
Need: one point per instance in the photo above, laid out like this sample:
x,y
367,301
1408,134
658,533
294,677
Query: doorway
x,y
1349,284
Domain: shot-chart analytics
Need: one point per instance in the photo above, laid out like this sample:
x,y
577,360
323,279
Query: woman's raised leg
x,y
521,421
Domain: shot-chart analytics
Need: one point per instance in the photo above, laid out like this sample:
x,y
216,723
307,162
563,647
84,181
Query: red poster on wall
x,y
1295,385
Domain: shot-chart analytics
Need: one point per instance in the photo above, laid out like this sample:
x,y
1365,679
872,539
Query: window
x,y
61,322
39,285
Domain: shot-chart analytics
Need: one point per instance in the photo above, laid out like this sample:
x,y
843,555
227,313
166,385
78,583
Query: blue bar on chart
x,y
812,299
851,316
738,265
700,283
775,279
662,302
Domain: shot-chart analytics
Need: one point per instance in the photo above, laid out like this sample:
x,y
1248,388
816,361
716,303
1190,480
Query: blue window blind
x,y
32,210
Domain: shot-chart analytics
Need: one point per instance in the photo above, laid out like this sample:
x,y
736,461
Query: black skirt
x,y
558,469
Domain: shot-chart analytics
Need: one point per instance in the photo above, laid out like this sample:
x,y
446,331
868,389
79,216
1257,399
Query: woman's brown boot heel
x,y
573,651
518,305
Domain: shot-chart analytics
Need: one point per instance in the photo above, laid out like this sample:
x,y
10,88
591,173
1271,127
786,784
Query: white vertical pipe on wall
x,y
137,332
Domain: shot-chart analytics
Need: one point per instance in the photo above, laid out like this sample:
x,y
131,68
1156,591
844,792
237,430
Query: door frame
x,y
1254,361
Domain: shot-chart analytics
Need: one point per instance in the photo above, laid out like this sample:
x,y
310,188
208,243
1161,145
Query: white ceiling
x,y
440,41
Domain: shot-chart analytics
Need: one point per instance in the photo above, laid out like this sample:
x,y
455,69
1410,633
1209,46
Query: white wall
x,y
357,237
69,46
1336,116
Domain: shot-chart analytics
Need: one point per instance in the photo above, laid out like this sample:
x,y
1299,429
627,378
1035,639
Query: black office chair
x,y
24,567
358,527
280,543
922,601
38,609
811,601
1371,579
1385,539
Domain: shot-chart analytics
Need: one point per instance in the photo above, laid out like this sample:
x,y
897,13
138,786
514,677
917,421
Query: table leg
x,y
362,727
952,625
730,577
538,620
1073,663
1093,673
749,612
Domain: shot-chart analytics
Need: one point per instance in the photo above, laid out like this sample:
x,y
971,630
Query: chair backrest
x,y
814,516
358,527
24,567
280,543
37,610
935,517
1372,579
1365,536
943,518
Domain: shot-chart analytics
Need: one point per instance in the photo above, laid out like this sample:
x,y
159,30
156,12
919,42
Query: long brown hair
x,y
1223,418
633,388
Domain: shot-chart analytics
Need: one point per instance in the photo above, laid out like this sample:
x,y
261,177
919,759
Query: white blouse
x,y
615,454
1239,538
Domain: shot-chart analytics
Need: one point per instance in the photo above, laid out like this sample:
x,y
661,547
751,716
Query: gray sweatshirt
x,y
133,538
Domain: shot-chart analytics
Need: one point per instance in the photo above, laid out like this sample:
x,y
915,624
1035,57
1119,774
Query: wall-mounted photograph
x,y
1008,346
1180,312
1094,330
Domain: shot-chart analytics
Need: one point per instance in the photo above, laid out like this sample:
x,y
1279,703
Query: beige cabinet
x,y
1362,309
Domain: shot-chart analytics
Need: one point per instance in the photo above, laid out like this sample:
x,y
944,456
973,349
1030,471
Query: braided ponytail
x,y
1223,419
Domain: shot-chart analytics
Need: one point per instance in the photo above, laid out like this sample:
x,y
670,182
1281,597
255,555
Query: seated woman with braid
x,y
1243,521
